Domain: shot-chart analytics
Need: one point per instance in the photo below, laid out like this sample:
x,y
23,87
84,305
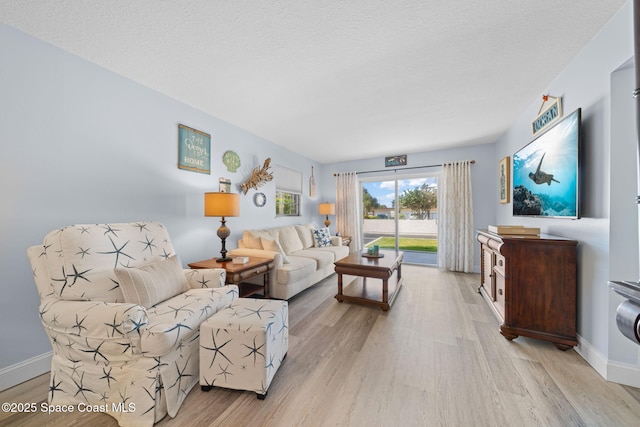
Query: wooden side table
x,y
238,273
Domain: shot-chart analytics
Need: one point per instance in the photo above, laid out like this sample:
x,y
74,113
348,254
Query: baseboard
x,y
623,373
26,370
592,356
616,372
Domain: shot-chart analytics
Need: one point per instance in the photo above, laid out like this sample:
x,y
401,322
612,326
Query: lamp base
x,y
223,233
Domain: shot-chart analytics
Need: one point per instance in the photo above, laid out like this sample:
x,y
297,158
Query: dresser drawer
x,y
487,270
500,293
500,264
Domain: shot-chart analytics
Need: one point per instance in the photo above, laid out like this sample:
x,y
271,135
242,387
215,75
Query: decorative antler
x,y
259,176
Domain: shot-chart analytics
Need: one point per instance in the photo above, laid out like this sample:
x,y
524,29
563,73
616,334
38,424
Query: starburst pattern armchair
x,y
123,318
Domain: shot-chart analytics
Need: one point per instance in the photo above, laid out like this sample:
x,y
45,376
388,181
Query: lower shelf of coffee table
x,y
367,290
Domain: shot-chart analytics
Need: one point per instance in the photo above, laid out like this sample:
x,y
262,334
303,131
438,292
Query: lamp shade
x,y
221,204
327,208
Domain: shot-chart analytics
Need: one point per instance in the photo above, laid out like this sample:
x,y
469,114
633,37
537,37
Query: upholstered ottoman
x,y
242,346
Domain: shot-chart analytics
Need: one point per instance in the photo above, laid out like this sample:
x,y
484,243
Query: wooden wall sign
x,y
550,111
194,148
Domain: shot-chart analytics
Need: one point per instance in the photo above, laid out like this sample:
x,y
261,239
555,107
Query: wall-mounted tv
x,y
545,172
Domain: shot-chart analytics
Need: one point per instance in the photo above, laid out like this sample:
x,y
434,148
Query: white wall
x,y
80,144
586,83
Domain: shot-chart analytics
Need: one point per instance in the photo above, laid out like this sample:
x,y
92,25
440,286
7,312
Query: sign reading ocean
x,y
548,116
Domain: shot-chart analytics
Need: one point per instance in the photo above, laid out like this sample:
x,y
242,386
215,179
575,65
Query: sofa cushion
x,y
289,239
322,237
152,283
322,258
305,232
275,246
297,269
338,252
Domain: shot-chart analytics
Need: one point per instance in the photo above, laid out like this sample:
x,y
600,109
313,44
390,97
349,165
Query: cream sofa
x,y
123,318
299,262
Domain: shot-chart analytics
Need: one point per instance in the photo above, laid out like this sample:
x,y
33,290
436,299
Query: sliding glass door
x,y
379,226
402,214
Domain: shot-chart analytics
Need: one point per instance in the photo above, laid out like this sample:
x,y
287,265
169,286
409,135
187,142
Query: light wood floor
x,y
435,359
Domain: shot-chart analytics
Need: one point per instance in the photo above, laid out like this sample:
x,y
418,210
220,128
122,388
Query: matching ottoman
x,y
242,346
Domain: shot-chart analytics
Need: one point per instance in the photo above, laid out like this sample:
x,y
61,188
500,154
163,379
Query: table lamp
x,y
222,205
327,209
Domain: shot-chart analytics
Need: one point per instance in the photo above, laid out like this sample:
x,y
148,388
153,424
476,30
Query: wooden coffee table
x,y
363,289
238,273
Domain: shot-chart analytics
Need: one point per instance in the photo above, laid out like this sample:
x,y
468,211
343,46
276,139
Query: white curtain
x,y
455,218
348,217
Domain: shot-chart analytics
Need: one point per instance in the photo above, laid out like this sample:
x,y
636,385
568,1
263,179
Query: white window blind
x,y
288,180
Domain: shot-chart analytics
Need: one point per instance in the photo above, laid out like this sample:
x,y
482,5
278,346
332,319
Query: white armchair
x,y
123,318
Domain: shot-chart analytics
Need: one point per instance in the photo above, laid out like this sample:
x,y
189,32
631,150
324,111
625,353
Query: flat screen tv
x,y
545,172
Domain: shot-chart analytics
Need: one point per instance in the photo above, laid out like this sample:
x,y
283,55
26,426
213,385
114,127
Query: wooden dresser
x,y
530,282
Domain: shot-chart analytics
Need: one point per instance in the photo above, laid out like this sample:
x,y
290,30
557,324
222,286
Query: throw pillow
x,y
322,237
152,283
275,246
250,241
251,238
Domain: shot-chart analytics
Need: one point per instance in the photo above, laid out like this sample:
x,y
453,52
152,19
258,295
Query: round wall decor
x,y
231,160
259,199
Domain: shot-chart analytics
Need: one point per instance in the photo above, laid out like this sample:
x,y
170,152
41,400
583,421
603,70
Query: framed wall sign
x,y
550,112
194,150
505,181
395,161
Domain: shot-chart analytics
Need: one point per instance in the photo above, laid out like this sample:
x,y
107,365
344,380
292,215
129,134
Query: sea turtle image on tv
x,y
545,172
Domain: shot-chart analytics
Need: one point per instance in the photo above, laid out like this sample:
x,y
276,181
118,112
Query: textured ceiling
x,y
333,80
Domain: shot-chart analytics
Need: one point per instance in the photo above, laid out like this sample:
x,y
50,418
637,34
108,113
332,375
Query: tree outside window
x,y
421,200
287,204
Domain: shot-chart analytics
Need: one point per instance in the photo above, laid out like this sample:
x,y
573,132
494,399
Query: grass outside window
x,y
407,244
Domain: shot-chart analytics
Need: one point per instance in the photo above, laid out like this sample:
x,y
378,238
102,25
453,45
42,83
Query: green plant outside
x,y
407,244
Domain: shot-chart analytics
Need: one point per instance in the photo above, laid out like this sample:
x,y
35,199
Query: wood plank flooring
x,y
435,359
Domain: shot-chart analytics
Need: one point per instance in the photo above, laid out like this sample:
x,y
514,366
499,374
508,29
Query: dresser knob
x,y
499,291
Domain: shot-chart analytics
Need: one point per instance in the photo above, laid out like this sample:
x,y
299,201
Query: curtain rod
x,y
401,169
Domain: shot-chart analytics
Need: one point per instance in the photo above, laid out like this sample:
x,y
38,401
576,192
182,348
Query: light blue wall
x,y
80,144
586,83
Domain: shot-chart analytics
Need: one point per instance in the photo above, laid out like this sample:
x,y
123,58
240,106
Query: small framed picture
x,y
225,185
504,172
395,161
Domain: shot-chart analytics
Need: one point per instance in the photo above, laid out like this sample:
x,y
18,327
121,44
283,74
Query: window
x,y
287,204
288,191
